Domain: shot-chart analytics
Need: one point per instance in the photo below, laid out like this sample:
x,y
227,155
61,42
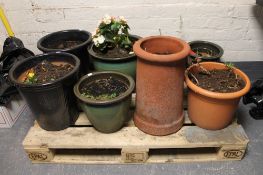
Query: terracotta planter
x,y
211,110
159,84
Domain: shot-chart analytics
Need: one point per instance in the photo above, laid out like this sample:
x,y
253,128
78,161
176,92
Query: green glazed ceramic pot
x,y
126,65
107,116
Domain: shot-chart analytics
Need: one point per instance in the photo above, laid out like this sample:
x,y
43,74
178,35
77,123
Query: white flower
x,y
120,31
96,42
99,40
122,19
107,19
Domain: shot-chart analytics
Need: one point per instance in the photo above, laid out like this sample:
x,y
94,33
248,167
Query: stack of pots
x,y
46,44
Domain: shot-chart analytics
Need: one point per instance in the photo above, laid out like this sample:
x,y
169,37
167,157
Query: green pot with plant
x,y
112,46
105,97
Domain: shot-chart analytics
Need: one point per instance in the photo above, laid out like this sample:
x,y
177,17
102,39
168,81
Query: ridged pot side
x,y
211,110
159,84
53,104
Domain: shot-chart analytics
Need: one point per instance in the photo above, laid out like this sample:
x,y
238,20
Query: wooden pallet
x,y
82,144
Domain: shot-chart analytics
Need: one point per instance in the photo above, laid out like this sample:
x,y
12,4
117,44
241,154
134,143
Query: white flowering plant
x,y
112,32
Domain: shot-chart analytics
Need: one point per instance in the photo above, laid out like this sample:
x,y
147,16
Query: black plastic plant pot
x,y
206,51
53,42
53,104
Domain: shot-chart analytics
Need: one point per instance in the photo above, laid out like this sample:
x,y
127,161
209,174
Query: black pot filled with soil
x,y
204,51
46,83
71,41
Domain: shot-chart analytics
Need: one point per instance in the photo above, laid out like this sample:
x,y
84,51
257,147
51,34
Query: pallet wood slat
x,y
84,121
83,144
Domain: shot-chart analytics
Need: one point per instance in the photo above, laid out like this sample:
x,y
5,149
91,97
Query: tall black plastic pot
x,y
46,44
54,103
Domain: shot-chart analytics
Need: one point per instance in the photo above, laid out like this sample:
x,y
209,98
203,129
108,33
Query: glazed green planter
x,y
126,65
106,116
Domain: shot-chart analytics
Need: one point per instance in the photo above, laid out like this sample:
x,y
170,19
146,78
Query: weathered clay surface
x,y
159,84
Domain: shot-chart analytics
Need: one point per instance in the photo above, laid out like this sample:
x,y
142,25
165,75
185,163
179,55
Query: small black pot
x,y
206,46
46,43
53,104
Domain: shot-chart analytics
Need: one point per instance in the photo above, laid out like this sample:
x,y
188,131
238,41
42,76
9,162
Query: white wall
x,y
233,24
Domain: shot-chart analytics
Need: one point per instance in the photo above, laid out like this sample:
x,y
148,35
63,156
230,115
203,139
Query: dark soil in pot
x,y
113,53
65,44
116,52
163,53
204,52
45,72
104,89
223,81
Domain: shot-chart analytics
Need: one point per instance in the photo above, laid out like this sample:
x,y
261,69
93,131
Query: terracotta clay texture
x,y
211,110
159,84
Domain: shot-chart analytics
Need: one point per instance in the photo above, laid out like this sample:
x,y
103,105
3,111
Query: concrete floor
x,y
13,159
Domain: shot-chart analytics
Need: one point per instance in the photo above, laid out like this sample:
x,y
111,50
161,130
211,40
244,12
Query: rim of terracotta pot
x,y
104,102
180,54
113,59
218,95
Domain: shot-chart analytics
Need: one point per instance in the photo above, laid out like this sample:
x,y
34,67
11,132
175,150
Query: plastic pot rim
x,y
45,49
17,83
218,95
218,56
